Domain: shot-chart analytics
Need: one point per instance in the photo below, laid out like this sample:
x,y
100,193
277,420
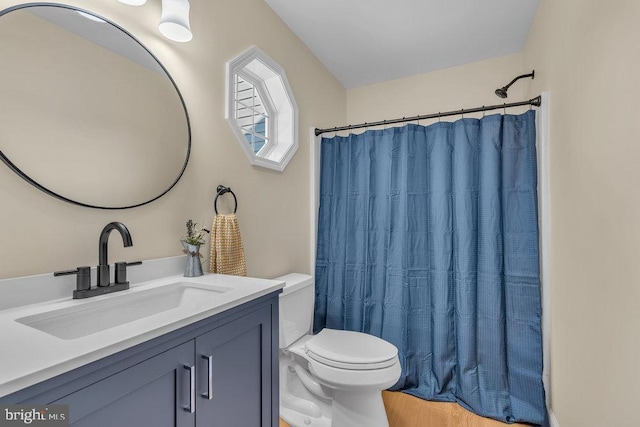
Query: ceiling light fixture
x,y
174,22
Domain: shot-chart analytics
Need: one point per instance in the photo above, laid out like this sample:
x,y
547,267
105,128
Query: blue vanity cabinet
x,y
152,393
235,377
220,371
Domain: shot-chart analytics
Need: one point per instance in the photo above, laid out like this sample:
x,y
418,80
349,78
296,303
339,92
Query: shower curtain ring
x,y
463,113
504,108
438,116
483,111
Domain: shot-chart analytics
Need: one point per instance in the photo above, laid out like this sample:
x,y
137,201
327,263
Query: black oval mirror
x,y
88,114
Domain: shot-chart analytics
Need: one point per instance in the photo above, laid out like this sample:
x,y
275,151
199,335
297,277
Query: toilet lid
x,y
351,350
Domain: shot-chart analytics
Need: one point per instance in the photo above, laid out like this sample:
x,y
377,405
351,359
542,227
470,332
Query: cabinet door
x,y
234,373
152,393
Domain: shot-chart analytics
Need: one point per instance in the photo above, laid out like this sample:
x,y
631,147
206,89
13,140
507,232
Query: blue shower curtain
x,y
428,238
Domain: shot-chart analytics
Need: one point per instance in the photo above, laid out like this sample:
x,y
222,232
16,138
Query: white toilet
x,y
334,378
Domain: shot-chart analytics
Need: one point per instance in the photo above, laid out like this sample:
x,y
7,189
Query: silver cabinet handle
x,y
191,408
209,393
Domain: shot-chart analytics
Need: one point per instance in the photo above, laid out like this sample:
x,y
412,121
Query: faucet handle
x,y
121,271
83,280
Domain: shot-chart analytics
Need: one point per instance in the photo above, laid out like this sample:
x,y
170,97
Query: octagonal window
x,y
261,109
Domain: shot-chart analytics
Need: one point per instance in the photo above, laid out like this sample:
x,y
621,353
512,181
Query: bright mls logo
x,y
26,415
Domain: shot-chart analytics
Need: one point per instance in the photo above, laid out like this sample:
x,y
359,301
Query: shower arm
x,y
532,74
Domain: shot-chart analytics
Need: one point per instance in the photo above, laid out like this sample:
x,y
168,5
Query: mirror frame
x,y
51,193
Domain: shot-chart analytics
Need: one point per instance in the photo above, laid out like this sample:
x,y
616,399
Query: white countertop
x,y
29,356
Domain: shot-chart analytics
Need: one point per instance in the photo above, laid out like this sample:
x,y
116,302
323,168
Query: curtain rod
x,y
533,101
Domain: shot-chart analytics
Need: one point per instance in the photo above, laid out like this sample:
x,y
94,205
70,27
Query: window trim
x,y
264,157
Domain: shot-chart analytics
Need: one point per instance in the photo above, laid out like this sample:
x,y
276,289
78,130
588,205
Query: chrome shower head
x,y
502,92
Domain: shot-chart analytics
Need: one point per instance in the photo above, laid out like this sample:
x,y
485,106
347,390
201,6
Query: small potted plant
x,y
191,243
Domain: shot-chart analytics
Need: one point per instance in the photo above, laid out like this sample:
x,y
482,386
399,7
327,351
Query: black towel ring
x,y
222,190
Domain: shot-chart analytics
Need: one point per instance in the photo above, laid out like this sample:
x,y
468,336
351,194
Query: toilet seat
x,y
351,350
351,366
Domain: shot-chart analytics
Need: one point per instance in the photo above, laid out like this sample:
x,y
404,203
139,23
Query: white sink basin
x,y
117,309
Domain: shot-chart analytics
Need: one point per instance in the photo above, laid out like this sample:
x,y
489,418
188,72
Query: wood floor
x,y
404,410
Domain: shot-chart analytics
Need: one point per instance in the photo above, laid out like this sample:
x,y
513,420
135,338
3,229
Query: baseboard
x,y
553,421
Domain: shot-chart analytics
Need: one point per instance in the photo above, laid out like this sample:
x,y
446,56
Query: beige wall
x,y
584,52
586,55
451,89
40,234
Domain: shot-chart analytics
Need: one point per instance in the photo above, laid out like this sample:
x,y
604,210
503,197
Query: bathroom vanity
x,y
168,352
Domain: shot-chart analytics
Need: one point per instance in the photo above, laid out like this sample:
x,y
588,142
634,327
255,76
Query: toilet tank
x,y
296,307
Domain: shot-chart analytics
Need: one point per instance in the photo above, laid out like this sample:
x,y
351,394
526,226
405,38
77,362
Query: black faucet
x,y
104,276
103,279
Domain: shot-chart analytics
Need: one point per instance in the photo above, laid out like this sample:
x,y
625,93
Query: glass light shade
x,y
133,2
174,23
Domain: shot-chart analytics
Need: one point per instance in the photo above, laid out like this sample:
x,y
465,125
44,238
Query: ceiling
x,y
370,41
